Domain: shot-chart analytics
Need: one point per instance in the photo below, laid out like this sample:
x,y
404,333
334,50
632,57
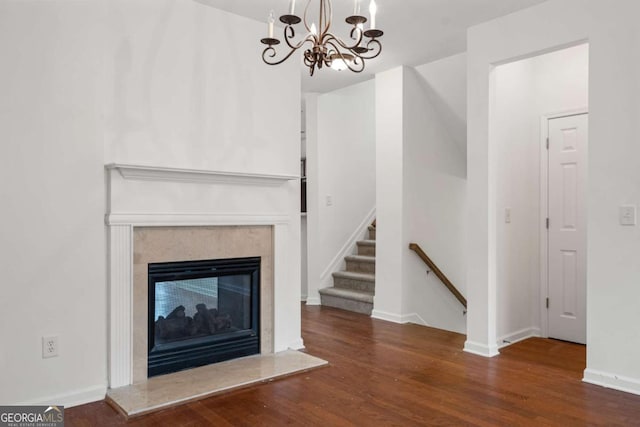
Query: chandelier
x,y
324,48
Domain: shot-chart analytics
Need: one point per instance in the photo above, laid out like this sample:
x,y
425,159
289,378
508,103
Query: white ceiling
x,y
416,31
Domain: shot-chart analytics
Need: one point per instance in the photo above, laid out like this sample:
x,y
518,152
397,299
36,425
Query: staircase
x,y
354,288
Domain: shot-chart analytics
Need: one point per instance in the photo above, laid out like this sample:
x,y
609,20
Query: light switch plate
x,y
628,215
507,215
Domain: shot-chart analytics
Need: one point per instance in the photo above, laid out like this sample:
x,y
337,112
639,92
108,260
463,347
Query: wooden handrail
x,y
423,256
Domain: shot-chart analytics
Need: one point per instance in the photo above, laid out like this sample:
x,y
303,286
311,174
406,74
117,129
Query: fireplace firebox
x,y
202,312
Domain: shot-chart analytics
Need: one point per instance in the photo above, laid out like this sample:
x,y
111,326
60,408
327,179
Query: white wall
x,y
517,189
446,87
186,87
613,340
163,83
525,91
421,171
390,239
435,193
342,168
52,241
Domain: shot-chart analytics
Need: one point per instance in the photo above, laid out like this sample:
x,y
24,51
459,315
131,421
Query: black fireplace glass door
x,y
192,308
202,312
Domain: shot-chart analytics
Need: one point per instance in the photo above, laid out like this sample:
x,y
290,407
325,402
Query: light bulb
x,y
313,29
338,65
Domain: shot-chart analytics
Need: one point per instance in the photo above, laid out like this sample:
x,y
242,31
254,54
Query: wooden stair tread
x,y
366,242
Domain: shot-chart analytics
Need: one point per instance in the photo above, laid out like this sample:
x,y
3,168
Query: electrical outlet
x,y
329,200
49,347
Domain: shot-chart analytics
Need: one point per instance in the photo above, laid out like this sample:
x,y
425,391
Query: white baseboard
x,y
389,317
313,301
75,398
413,318
609,380
521,335
303,298
297,344
480,349
399,318
326,278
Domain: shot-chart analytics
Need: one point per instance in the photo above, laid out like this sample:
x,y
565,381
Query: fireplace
x,y
202,312
162,214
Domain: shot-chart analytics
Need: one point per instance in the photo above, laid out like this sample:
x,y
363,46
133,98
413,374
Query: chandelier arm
x,y
270,52
310,61
304,16
356,70
328,16
376,49
307,58
346,61
360,35
288,37
331,38
289,33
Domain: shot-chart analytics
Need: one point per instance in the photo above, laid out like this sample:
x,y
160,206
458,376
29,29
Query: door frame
x,y
544,212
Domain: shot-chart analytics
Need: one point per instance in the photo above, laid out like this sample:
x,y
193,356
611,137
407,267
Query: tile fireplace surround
x,y
165,214
167,244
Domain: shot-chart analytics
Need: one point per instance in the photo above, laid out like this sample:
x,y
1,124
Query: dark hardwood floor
x,y
385,374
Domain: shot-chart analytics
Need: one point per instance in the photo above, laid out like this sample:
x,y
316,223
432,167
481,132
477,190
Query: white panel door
x,y
567,228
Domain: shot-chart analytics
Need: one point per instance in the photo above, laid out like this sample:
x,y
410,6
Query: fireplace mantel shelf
x,y
155,173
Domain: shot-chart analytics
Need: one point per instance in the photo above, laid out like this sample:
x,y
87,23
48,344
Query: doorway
x,y
552,87
566,226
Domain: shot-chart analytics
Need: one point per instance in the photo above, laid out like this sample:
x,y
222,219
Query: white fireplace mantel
x,y
141,196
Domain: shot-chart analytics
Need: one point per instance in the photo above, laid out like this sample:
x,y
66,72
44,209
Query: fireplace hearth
x,y
202,312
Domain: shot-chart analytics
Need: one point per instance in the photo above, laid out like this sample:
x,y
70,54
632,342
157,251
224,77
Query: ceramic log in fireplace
x,y
202,312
